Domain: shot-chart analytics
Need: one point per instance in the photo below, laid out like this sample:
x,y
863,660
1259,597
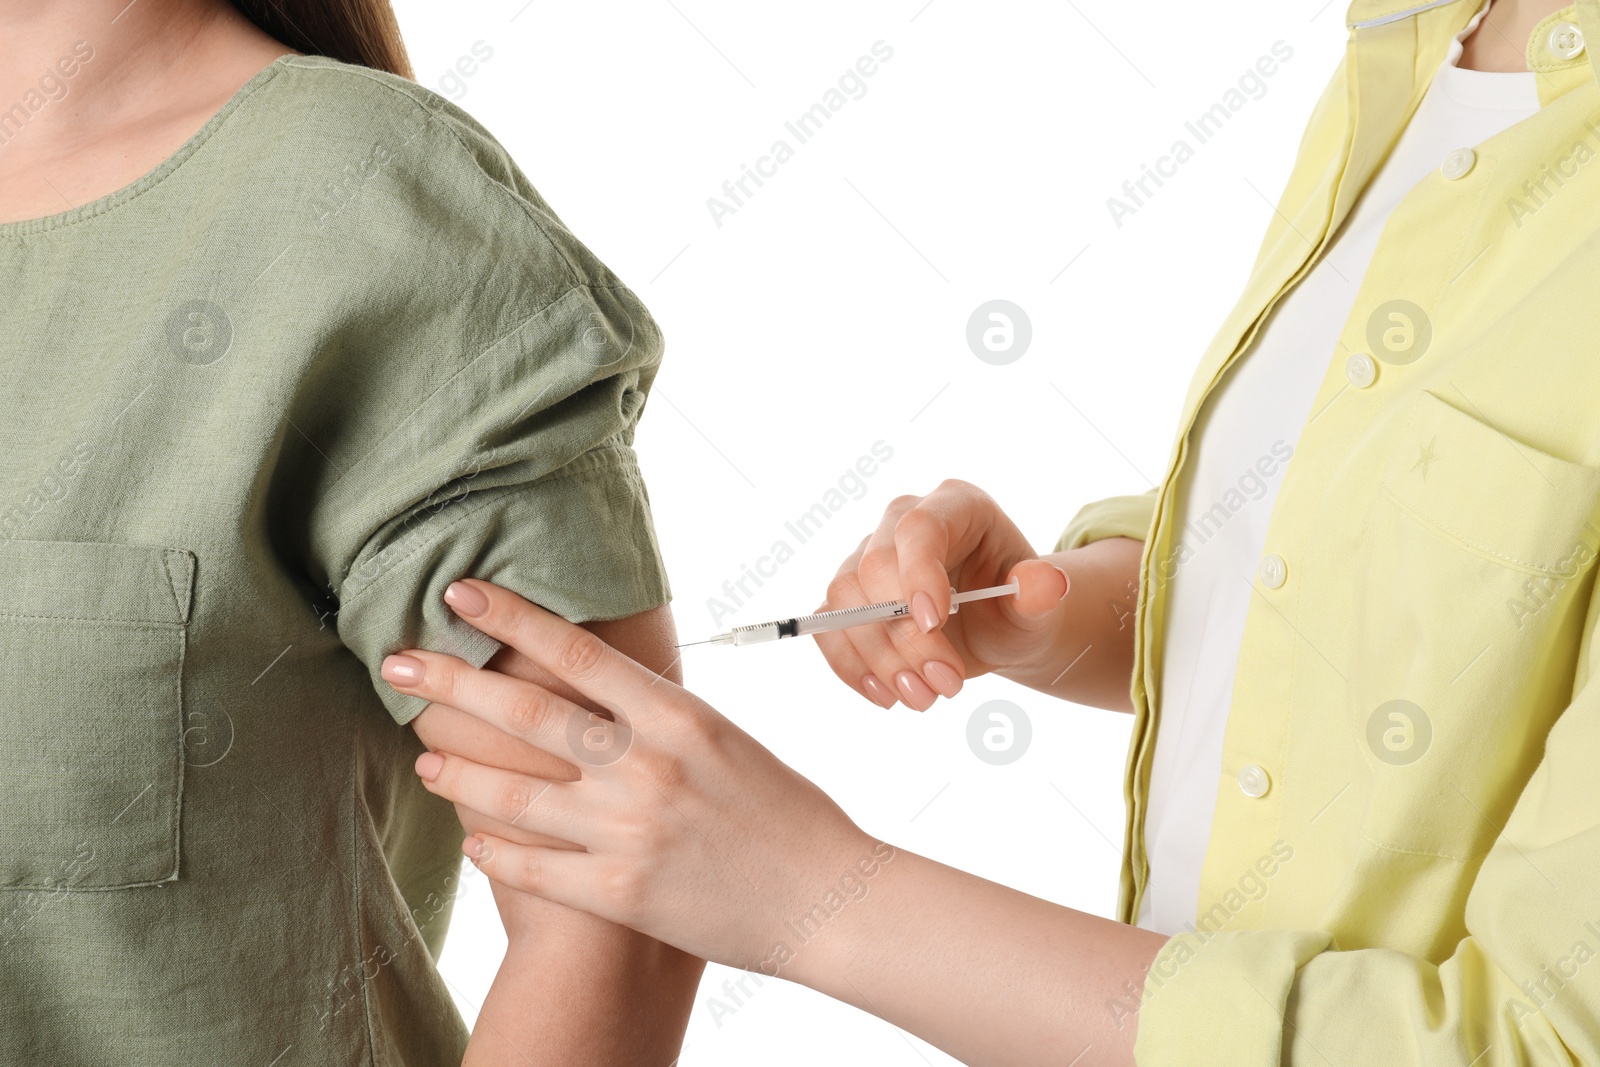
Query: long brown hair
x,y
353,31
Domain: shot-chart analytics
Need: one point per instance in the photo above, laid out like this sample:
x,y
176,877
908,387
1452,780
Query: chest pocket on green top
x,y
91,661
1476,567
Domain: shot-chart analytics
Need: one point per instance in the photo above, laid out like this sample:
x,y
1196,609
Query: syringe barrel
x,y
756,634
844,618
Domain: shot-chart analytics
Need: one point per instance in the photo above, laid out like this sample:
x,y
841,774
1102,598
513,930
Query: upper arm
x,y
648,637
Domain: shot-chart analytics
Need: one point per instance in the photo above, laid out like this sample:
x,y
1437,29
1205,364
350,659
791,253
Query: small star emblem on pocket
x,y
1425,457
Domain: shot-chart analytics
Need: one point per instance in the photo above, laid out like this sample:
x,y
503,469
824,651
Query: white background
x,y
829,312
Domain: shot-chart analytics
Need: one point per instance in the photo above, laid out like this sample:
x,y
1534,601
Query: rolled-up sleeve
x,y
1118,516
520,470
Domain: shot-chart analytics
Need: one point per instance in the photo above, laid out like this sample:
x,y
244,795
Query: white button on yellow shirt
x,y
1566,40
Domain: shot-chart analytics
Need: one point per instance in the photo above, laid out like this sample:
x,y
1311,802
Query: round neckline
x,y
1489,90
1485,90
149,180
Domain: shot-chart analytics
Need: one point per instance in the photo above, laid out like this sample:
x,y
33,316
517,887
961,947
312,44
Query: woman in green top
x,y
289,343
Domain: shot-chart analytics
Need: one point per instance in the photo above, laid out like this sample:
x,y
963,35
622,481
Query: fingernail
x,y
924,612
943,677
877,692
473,847
914,689
468,601
429,764
402,670
1066,582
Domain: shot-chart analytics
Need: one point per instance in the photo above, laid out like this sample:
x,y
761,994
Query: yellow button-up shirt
x,y
1404,866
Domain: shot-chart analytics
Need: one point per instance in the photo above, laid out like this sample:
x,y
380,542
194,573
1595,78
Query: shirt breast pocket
x,y
1472,580
91,713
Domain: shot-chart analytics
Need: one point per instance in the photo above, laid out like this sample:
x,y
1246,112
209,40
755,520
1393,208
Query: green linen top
x,y
261,406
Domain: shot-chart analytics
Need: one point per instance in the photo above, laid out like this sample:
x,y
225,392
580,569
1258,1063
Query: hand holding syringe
x,y
957,536
843,619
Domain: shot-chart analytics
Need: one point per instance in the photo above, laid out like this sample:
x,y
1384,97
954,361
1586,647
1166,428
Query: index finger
x,y
569,652
928,537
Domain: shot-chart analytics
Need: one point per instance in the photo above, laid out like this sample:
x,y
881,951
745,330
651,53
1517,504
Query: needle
x,y
841,619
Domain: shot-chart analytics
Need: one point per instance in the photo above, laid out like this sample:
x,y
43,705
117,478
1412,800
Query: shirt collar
x,y
1365,13
1543,57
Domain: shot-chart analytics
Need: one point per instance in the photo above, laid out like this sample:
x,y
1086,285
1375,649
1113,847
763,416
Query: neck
x,y
94,93
1500,42
127,42
77,67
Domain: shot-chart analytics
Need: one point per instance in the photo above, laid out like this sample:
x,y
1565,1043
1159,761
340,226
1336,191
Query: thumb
x,y
1041,586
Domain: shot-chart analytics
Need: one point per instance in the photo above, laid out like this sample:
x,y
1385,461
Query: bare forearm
x,y
577,991
1091,657
994,977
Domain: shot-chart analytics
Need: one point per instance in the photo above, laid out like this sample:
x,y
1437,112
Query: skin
x,y
573,988
1501,39
958,537
703,839
159,71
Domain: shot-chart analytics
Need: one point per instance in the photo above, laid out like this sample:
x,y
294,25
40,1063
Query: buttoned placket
x,y
1383,95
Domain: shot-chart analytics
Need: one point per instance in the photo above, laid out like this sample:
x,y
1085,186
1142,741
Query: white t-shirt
x,y
1242,440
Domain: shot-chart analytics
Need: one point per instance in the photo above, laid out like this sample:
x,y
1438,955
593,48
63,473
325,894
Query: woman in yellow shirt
x,y
1401,864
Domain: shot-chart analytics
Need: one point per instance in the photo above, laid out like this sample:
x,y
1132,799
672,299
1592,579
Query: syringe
x,y
842,619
